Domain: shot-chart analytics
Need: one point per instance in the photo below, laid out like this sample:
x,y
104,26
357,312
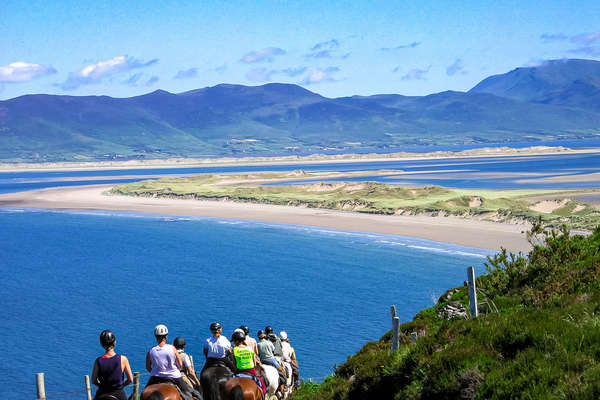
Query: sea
x,y
68,275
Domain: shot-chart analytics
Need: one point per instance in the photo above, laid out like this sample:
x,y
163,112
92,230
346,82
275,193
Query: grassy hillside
x,y
538,336
369,197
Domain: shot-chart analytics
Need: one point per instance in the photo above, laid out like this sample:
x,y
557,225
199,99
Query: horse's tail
x,y
237,393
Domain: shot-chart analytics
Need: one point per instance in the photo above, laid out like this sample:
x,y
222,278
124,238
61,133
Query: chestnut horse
x,y
241,389
161,391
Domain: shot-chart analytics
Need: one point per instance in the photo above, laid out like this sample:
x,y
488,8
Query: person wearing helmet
x,y
109,369
187,369
265,350
217,348
164,363
249,341
245,359
276,343
289,356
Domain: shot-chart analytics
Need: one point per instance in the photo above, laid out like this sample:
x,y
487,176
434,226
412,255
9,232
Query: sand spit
x,y
456,230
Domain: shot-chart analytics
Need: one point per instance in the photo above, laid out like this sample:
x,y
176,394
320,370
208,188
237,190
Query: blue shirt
x,y
217,348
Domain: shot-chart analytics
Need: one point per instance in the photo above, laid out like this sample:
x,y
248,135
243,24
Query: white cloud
x,y
589,38
187,74
456,67
321,75
414,74
22,72
266,54
94,73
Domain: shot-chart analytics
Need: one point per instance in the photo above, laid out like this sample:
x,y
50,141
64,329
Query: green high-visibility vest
x,y
244,357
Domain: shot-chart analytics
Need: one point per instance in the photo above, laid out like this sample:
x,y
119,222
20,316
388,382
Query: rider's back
x,y
164,362
110,373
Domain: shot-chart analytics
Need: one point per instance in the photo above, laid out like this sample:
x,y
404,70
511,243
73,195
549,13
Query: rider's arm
x,y
95,374
177,358
205,350
148,362
125,367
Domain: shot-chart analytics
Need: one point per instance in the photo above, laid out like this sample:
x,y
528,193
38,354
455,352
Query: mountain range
x,y
559,99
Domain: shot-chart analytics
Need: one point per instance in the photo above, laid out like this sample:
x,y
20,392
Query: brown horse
x,y
161,391
241,389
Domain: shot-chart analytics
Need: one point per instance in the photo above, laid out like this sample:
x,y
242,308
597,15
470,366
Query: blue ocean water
x,y
67,276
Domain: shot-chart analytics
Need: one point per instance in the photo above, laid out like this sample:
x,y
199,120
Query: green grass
x,y
543,343
367,197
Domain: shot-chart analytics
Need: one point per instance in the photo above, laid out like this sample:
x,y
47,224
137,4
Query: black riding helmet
x,y
214,326
260,333
245,329
238,336
107,338
268,330
179,342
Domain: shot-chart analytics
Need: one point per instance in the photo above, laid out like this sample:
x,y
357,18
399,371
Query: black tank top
x,y
110,373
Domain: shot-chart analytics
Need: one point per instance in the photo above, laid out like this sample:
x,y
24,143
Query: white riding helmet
x,y
283,335
161,330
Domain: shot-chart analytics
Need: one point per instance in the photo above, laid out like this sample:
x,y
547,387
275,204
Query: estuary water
x,y
69,275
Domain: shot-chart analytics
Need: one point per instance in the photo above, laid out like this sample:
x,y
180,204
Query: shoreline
x,y
453,230
171,163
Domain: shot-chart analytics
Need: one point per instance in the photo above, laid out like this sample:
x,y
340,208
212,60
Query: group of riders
x,y
167,363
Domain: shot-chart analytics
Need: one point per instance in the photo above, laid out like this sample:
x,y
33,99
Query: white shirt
x,y
217,348
286,349
163,362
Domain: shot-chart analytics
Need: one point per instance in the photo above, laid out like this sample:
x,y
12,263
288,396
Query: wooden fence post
x,y
472,292
413,337
88,388
41,390
395,327
136,386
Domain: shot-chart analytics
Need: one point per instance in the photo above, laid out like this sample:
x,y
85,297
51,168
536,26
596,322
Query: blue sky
x,y
335,48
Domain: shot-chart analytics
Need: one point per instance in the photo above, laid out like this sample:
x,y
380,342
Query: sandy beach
x,y
468,232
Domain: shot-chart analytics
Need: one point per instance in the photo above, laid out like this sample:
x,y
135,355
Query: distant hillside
x,y
573,83
282,118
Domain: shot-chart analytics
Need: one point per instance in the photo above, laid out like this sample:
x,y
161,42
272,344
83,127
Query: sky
x,y
334,48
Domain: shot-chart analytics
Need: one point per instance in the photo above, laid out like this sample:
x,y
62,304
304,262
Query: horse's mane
x,y
156,395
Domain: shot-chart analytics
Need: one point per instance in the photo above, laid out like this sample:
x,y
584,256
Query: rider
x,y
276,343
265,352
163,362
245,358
217,348
187,369
109,368
250,341
289,356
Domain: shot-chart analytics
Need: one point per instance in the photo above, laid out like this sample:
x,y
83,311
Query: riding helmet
x,y
179,342
245,329
268,330
161,330
107,338
214,326
238,335
283,335
260,334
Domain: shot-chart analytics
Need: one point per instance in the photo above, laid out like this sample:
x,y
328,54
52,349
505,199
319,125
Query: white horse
x,y
271,378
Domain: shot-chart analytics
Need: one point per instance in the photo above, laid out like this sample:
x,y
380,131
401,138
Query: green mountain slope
x,y
538,336
280,118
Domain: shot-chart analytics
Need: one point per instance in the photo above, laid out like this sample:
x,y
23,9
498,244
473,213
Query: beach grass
x,y
372,197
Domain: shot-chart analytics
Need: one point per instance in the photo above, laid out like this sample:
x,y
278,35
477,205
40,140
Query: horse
x,y
212,379
271,376
161,391
241,389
